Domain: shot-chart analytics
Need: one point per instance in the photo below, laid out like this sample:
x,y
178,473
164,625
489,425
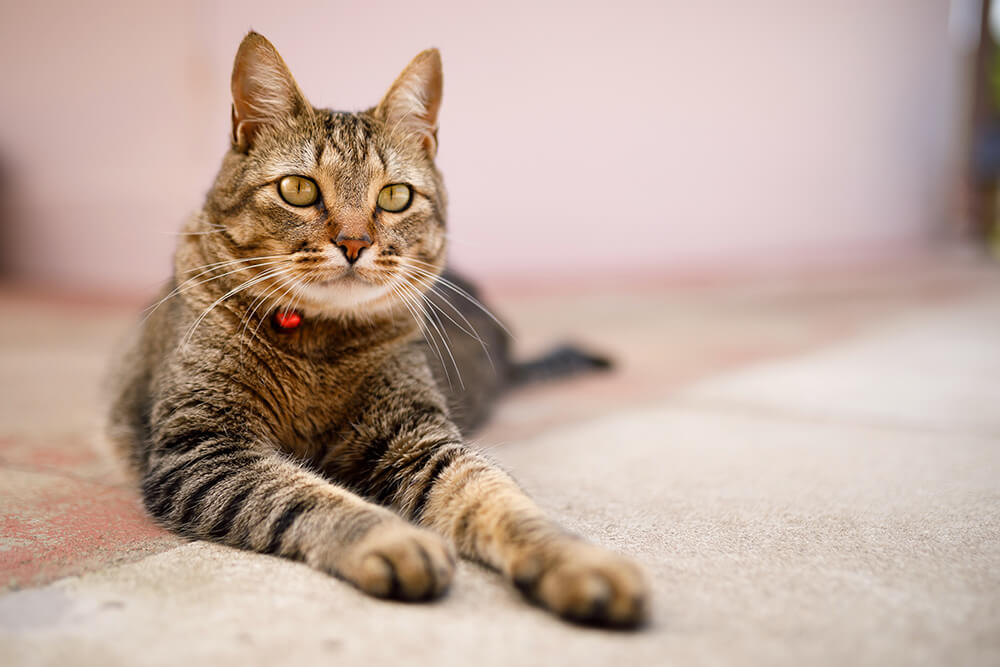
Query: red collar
x,y
287,320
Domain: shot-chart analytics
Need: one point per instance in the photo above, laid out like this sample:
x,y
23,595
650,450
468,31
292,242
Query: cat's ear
x,y
411,106
264,91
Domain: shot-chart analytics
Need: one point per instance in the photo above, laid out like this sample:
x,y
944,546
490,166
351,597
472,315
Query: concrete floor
x,y
809,472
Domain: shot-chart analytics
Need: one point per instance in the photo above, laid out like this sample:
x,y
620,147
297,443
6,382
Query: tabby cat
x,y
280,397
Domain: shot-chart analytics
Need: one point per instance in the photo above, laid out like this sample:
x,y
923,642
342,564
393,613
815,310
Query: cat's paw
x,y
397,560
585,584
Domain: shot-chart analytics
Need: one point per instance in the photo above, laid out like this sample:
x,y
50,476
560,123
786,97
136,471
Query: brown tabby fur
x,y
334,443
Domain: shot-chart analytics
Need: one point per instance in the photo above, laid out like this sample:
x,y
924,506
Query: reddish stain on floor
x,y
53,524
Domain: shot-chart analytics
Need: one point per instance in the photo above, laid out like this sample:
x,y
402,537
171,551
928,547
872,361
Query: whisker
x,y
431,342
180,289
291,288
213,231
439,328
299,292
474,333
236,290
208,268
226,262
432,289
255,305
444,282
286,284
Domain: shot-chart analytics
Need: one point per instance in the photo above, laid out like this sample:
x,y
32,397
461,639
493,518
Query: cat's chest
x,y
314,395
311,380
318,390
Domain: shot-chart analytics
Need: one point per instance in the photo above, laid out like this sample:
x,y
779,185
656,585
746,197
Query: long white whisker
x,y
473,334
184,287
420,325
236,290
213,231
431,342
432,289
228,273
439,328
227,262
287,287
444,282
298,294
257,303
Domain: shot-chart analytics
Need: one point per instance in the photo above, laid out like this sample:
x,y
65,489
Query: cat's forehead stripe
x,y
348,134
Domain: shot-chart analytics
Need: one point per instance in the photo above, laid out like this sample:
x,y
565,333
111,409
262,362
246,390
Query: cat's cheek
x,y
244,232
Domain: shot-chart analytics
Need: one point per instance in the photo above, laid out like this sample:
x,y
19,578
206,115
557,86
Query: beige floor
x,y
809,471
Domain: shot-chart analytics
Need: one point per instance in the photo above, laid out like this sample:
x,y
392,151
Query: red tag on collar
x,y
287,320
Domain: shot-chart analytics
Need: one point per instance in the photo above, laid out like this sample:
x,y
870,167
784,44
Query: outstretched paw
x,y
400,561
585,584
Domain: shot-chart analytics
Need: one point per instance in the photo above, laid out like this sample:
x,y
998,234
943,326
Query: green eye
x,y
298,190
395,198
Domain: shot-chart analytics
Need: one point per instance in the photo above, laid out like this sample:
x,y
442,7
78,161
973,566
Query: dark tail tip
x,y
563,361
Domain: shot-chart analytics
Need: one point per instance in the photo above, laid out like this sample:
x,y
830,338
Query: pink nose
x,y
352,247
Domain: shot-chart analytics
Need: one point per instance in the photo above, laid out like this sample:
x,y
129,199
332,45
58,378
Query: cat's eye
x,y
298,190
395,198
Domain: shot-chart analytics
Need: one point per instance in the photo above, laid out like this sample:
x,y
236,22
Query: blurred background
x,y
640,139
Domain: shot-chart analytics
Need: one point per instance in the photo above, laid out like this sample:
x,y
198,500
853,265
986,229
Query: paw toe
x,y
588,585
404,563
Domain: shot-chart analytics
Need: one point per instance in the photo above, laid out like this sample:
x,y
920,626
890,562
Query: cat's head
x,y
325,211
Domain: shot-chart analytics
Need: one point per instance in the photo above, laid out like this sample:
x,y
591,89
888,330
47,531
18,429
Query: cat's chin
x,y
340,297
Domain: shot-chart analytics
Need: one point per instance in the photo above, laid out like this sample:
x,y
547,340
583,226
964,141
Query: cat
x,y
280,396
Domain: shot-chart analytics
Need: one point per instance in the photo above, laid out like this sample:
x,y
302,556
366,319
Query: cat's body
x,y
281,397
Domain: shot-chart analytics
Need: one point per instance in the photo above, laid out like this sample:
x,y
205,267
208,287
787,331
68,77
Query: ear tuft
x,y
264,91
410,108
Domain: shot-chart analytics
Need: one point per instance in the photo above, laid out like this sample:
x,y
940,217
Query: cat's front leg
x,y
490,519
449,487
234,490
403,451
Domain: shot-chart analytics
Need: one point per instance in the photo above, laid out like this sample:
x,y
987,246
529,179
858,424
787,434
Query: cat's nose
x,y
352,247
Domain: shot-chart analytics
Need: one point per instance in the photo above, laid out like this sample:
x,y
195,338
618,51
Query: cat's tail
x,y
562,361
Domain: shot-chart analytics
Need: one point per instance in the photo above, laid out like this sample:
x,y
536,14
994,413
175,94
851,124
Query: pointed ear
x,y
264,91
410,108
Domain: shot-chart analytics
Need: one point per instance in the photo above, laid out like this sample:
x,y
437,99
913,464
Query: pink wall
x,y
628,137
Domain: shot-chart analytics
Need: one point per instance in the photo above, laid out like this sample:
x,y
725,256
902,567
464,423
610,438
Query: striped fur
x,y
338,443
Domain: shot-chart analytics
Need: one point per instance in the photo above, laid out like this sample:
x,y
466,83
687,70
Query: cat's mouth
x,y
347,276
